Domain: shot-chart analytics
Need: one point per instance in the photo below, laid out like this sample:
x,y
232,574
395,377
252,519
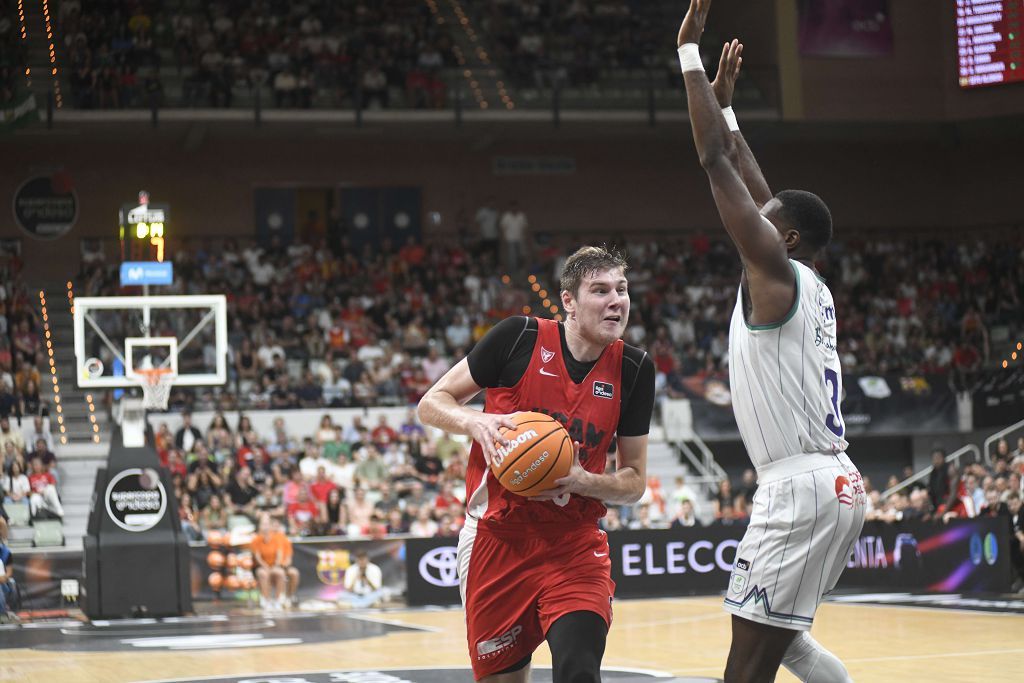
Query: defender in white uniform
x,y
787,385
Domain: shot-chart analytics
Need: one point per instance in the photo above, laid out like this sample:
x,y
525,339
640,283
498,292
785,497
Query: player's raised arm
x,y
770,279
723,86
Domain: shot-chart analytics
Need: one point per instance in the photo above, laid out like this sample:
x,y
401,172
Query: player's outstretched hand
x,y
693,23
573,482
486,430
728,71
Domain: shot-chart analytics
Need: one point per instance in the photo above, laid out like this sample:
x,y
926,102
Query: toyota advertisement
x,y
963,556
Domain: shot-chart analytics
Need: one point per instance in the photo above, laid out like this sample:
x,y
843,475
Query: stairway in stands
x,y
83,448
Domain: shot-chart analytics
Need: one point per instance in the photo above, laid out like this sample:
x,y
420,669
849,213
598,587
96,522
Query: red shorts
x,y
515,584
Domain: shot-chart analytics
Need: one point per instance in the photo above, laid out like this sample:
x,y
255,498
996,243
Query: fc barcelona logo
x,y
331,566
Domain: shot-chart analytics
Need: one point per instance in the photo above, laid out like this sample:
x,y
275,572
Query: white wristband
x,y
730,119
689,57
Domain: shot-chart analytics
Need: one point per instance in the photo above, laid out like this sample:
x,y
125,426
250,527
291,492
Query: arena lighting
x,y
24,36
53,369
53,53
481,55
1013,355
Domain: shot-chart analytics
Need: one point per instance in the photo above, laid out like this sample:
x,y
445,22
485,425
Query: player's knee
x,y
810,662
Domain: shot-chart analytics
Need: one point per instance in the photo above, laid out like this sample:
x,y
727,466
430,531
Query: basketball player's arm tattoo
x,y
443,406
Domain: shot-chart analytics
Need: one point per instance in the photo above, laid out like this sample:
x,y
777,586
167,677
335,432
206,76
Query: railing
x,y
954,456
709,472
998,435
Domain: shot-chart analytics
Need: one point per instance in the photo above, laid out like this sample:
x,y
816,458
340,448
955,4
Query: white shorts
x,y
807,515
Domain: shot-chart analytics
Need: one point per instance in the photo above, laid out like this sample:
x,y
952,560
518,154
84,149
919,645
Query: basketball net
x,y
156,386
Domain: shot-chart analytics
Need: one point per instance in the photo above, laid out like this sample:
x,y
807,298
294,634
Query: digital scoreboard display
x,y
989,41
142,230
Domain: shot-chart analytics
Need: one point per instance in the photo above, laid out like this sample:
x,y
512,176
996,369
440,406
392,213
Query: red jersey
x,y
40,481
589,411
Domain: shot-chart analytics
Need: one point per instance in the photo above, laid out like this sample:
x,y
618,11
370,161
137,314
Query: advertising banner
x,y
845,28
871,405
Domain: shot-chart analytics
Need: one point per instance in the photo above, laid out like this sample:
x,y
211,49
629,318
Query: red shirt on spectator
x,y
40,481
383,434
443,502
321,489
303,512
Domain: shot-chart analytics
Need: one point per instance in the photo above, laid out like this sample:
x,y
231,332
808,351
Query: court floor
x,y
684,637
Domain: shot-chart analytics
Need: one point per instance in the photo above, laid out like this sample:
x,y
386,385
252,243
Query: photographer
x,y
363,582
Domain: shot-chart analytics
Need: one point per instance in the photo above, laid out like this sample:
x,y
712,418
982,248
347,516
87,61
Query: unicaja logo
x,y
503,451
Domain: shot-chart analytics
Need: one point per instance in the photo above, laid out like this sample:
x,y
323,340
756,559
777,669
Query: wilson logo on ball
x,y
513,444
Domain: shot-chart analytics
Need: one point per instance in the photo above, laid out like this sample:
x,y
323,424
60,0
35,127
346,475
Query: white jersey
x,y
786,379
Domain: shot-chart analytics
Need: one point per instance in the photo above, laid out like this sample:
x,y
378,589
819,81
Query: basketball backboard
x,y
117,337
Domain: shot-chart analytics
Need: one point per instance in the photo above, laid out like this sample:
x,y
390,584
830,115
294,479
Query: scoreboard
x,y
143,227
989,41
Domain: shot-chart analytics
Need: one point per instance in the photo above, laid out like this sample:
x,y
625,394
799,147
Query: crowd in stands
x,y
12,53
121,53
22,357
350,480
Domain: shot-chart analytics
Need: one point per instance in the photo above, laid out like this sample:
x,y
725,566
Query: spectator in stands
x,y
313,460
748,487
303,514
1002,451
214,516
364,582
43,501
10,435
333,514
685,517
37,431
320,489
16,487
514,226
383,434
371,471
187,436
47,457
424,525
272,553
612,521
360,513
203,484
8,589
938,480
1013,504
241,492
9,404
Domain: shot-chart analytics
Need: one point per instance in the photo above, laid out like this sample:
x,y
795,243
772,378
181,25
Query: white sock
x,y
810,662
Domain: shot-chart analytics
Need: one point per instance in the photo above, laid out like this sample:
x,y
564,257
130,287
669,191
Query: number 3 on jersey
x,y
834,421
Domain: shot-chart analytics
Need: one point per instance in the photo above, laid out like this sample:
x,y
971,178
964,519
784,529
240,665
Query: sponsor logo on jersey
x,y
488,648
844,491
503,451
604,389
737,583
545,355
742,564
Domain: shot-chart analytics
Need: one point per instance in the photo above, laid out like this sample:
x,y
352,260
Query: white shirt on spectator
x,y
513,226
310,466
357,583
487,221
435,368
266,354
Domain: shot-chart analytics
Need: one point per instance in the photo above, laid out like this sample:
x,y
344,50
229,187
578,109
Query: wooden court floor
x,y
684,636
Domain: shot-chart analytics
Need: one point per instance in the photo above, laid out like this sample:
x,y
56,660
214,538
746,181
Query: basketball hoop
x,y
156,386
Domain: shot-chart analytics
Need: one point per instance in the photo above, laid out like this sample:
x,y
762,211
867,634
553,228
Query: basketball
x,y
215,538
245,561
216,581
540,452
215,559
232,561
232,583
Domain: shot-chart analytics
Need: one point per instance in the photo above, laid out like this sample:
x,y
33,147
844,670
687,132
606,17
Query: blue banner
x,y
147,273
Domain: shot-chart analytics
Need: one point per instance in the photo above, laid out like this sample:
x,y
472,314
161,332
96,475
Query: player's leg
x,y
756,652
576,606
577,642
517,673
810,662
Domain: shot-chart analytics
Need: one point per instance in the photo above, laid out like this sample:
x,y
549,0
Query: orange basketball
x,y
214,538
215,559
232,560
245,561
216,581
540,452
232,583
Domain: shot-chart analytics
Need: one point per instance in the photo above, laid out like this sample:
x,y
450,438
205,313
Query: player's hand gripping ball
x,y
538,453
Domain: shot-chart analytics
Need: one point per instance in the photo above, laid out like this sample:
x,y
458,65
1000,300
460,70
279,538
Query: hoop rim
x,y
153,376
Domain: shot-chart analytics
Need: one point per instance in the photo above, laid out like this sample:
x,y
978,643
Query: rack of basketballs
x,y
230,569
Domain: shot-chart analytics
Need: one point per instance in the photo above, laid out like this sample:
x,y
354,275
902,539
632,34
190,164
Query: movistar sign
x,y
147,273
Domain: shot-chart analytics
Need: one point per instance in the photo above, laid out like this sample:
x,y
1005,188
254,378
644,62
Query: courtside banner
x,y
431,568
964,556
667,562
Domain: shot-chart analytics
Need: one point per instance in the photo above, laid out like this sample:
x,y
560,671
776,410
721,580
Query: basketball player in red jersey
x,y
535,569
